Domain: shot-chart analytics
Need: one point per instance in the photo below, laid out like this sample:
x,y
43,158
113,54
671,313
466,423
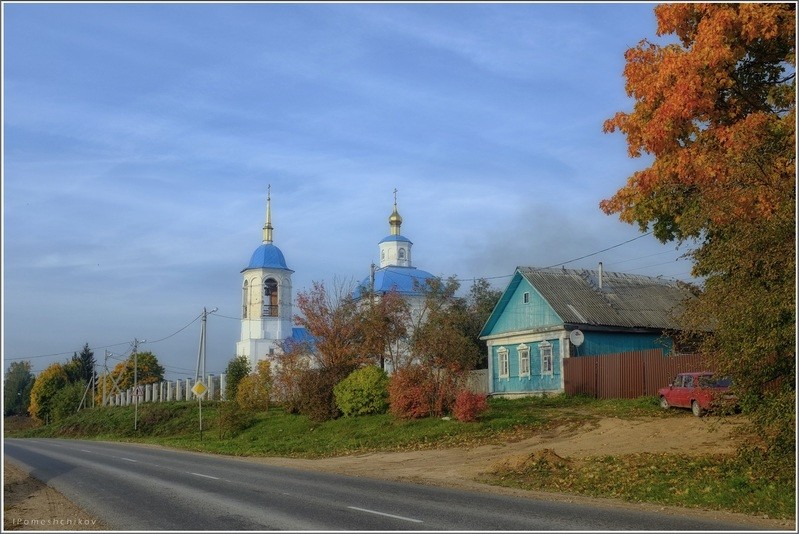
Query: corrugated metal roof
x,y
627,300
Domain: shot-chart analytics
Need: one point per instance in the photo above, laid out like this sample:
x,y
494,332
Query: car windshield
x,y
710,381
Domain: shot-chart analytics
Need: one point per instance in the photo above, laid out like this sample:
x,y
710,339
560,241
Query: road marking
x,y
201,475
384,514
128,460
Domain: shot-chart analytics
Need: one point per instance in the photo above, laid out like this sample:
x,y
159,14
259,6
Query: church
x,y
266,295
396,272
266,300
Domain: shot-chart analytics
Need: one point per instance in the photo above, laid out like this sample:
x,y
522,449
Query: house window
x,y
526,297
545,348
524,360
504,368
270,298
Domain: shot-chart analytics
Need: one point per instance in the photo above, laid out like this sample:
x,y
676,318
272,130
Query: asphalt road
x,y
136,487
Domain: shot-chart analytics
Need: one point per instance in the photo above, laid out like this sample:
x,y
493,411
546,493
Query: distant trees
x,y
81,367
45,388
17,388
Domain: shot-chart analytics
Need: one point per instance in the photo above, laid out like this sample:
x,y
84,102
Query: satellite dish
x,y
576,337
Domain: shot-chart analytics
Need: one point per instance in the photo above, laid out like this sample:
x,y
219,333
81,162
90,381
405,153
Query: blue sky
x,y
139,140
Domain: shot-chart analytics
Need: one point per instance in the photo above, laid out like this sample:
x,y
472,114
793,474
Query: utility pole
x,y
105,374
199,376
136,382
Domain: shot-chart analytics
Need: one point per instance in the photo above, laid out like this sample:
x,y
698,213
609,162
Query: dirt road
x,y
459,467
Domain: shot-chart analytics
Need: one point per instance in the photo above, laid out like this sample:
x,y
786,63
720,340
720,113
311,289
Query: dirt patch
x,y
31,505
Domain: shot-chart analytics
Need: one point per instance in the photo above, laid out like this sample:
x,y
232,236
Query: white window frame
x,y
547,359
503,363
524,360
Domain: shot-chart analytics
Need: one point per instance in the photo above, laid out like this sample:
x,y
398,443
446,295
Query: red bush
x,y
409,393
469,406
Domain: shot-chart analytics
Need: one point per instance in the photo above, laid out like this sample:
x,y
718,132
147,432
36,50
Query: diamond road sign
x,y
199,389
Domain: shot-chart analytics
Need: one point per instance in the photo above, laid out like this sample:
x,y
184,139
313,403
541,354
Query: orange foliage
x,y
717,113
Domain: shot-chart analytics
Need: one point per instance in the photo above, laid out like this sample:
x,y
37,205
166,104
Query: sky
x,y
140,139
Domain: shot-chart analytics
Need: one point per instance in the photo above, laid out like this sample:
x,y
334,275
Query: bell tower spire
x,y
268,225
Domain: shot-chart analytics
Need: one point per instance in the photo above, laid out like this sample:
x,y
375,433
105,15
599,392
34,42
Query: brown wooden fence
x,y
625,375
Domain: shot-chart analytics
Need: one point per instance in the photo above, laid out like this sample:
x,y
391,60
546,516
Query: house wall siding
x,y
598,343
536,382
520,316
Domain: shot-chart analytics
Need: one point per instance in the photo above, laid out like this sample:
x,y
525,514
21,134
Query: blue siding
x,y
536,382
597,343
520,316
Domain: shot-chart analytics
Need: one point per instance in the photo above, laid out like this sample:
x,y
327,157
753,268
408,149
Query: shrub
x,y
237,369
363,392
410,392
316,399
469,406
253,391
66,400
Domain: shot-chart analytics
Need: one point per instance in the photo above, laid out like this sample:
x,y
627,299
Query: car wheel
x,y
696,408
664,403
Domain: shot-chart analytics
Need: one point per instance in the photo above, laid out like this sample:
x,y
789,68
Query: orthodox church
x,y
266,297
396,270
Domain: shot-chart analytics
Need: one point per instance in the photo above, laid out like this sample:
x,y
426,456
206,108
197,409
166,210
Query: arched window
x,y
401,254
245,301
270,298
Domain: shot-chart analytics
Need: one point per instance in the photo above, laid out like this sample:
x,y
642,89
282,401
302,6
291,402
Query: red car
x,y
701,391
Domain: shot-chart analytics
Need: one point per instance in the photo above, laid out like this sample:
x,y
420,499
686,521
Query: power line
x,y
599,251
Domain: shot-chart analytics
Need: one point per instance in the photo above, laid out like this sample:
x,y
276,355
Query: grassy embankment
x,y
715,481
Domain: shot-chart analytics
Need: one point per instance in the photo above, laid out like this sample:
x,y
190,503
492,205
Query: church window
x,y
245,301
401,254
270,298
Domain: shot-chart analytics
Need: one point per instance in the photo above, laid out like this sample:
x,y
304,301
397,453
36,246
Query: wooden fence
x,y
625,375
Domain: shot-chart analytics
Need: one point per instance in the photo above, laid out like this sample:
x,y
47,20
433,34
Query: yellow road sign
x,y
199,389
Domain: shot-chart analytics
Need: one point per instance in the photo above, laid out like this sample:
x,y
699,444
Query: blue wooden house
x,y
528,333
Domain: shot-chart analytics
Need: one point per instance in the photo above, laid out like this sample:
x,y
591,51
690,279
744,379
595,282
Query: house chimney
x,y
600,275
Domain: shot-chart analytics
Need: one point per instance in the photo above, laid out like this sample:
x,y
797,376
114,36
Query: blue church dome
x,y
397,237
404,280
267,256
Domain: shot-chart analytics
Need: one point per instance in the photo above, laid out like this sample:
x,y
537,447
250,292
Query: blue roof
x,y
404,280
267,256
299,336
395,238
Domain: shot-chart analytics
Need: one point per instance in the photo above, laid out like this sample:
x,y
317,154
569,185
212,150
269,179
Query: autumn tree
x,y
440,343
149,371
237,368
254,389
17,387
384,322
714,112
291,363
480,302
45,387
330,316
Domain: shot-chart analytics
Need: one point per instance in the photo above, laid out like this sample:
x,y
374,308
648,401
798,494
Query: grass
x,y
717,482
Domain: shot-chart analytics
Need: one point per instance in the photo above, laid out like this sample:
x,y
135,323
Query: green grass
x,y
718,482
